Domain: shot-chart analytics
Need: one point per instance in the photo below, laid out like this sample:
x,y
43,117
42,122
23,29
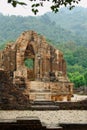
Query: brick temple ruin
x,y
46,79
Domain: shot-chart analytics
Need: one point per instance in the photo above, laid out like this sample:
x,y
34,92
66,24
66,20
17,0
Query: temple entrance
x,y
29,61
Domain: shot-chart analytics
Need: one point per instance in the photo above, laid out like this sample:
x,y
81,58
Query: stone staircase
x,y
41,93
44,105
39,90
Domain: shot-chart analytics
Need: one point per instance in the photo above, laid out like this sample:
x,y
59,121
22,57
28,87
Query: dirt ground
x,y
78,97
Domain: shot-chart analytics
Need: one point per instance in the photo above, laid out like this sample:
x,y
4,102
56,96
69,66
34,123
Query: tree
x,y
37,3
85,77
77,79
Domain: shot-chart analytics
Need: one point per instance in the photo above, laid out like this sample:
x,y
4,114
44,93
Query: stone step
x,y
40,91
37,85
36,102
44,107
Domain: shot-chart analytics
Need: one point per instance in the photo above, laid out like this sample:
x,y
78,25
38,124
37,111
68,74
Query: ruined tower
x,y
41,66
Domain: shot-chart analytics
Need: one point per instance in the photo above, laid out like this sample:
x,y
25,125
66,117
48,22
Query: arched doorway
x,y
29,61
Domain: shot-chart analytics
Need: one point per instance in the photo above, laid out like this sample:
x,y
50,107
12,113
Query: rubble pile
x,y
11,97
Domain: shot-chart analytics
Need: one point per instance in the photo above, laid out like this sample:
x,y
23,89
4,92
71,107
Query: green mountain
x,y
62,27
12,26
74,21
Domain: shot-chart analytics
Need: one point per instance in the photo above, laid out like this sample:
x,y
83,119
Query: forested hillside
x,y
74,21
62,27
76,57
12,26
66,30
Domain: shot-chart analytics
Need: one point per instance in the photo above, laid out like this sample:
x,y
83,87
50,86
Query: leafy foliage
x,y
85,77
76,57
29,63
15,2
40,3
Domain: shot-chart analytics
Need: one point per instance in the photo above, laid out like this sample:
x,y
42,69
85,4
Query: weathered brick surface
x,y
48,72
